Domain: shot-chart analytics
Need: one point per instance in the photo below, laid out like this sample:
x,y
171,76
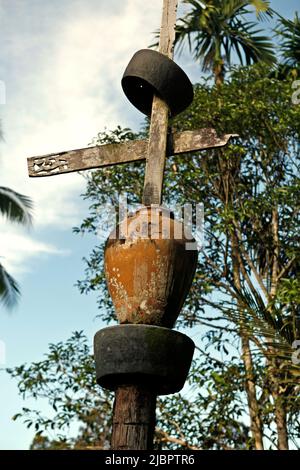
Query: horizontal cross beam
x,y
114,154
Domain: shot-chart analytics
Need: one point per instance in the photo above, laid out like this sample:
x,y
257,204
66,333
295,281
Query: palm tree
x,y
16,208
289,34
214,29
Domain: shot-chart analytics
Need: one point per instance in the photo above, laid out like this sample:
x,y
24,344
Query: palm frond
x,y
263,9
249,44
289,32
15,206
266,323
214,30
9,289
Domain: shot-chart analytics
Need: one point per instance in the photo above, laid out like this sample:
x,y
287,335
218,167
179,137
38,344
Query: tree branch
x,y
165,437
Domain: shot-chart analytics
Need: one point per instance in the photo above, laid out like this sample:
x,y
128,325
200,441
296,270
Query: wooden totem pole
x,y
149,271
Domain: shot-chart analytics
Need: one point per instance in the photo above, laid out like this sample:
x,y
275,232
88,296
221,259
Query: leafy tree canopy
x,y
244,295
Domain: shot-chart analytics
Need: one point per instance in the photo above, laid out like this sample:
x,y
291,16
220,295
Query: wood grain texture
x,y
86,158
133,418
167,30
192,141
114,154
156,156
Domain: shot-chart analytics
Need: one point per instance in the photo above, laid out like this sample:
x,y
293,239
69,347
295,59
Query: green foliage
x,y
247,282
289,35
250,190
9,289
16,208
65,380
216,29
217,399
265,159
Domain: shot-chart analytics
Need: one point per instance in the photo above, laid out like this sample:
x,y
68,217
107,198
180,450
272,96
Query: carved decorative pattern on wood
x,y
113,154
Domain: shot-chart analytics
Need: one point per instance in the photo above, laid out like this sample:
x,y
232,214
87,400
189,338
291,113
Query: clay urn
x,y
149,263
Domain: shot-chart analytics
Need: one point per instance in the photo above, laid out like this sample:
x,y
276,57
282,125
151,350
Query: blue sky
x,y
61,62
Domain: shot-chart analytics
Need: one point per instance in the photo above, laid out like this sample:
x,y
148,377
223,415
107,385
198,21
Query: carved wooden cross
x,y
154,151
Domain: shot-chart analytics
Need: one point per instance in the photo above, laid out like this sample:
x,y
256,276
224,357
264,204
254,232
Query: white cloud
x,y
17,248
63,86
71,93
63,63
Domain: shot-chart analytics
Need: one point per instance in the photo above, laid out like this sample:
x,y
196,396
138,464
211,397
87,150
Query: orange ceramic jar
x,y
148,269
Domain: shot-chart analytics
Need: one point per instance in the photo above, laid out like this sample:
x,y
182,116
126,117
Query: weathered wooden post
x,y
148,274
149,271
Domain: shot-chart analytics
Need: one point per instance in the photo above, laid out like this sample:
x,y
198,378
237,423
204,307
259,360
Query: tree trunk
x,y
280,411
133,418
219,72
255,420
254,412
280,417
